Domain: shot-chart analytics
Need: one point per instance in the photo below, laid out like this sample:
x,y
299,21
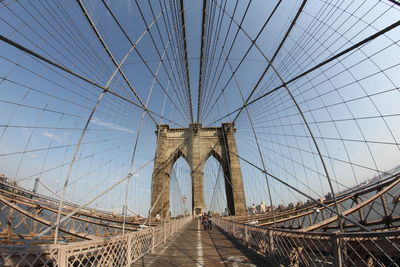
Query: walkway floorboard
x,y
196,247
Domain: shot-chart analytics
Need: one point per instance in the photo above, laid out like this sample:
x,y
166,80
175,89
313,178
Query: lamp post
x,y
184,198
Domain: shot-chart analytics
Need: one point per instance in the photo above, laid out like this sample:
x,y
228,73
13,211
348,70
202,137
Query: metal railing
x,y
26,214
120,250
296,248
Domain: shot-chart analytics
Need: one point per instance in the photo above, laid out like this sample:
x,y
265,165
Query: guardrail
x,y
120,250
296,248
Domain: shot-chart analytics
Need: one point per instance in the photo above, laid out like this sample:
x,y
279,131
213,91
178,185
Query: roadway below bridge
x,y
194,246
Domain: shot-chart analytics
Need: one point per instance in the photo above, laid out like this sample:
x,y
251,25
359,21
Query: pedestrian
x,y
205,221
209,221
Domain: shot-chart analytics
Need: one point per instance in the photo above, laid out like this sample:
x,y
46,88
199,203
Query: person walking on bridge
x,y
206,221
209,223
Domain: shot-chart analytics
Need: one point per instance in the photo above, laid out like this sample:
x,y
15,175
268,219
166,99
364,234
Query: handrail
x,y
121,250
297,248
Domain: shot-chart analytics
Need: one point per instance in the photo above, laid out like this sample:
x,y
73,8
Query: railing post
x,y
337,251
236,230
270,241
246,234
62,256
165,232
129,250
153,241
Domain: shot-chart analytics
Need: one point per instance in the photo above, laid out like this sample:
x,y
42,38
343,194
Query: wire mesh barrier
x,y
296,248
27,213
310,89
120,250
375,206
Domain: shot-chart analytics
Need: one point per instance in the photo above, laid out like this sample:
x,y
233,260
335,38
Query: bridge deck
x,y
197,247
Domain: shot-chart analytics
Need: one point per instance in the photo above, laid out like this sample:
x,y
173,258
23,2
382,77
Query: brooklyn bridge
x,y
200,133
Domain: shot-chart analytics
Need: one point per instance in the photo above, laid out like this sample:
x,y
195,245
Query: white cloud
x,y
32,155
53,136
111,125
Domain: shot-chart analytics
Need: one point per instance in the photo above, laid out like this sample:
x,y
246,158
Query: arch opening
x,y
196,144
216,186
180,187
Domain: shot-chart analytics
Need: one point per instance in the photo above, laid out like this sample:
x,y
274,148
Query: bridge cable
x,y
185,50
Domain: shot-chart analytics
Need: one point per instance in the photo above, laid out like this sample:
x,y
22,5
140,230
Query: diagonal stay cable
x,y
97,33
85,79
177,49
303,194
210,64
274,56
253,130
253,43
179,81
206,97
201,74
176,58
134,46
323,63
302,115
208,48
370,38
56,225
184,40
141,123
225,61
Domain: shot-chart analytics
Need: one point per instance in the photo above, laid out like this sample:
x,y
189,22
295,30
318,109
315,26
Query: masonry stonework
x,y
196,144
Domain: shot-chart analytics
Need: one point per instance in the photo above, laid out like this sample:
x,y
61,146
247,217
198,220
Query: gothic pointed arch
x,y
196,144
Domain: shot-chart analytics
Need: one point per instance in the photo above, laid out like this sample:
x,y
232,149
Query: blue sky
x,y
350,104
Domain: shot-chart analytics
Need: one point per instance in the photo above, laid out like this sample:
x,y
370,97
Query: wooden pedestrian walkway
x,y
196,247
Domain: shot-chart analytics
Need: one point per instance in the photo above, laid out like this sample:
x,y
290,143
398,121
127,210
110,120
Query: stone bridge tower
x,y
196,144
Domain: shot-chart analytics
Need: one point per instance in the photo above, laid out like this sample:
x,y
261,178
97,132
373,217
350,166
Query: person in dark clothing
x,y
204,221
